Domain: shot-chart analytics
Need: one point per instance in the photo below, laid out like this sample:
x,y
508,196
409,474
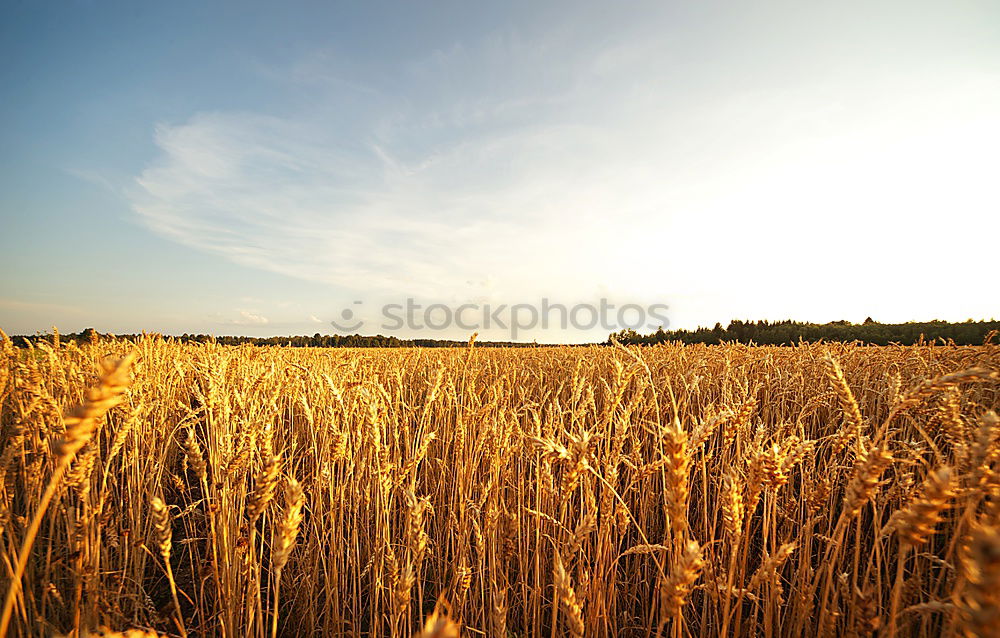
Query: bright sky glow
x,y
254,170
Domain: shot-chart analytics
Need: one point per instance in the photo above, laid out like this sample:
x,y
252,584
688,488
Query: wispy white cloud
x,y
95,178
521,166
7,303
248,318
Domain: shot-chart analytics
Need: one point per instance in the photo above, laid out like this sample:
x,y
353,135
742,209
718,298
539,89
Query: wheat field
x,y
153,488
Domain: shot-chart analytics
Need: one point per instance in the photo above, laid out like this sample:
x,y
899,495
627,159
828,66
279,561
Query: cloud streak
x,y
468,194
513,167
248,318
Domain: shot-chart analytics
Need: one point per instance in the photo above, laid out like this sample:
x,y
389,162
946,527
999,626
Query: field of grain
x,y
821,490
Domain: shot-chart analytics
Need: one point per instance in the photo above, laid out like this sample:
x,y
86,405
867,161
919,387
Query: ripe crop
x,y
165,489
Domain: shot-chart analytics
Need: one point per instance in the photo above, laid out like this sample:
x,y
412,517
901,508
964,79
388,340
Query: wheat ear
x,y
81,424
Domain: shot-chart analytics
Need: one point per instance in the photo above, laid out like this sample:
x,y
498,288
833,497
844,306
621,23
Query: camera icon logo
x,y
347,316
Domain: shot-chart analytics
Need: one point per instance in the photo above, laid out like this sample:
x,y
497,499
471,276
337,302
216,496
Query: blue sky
x,y
254,168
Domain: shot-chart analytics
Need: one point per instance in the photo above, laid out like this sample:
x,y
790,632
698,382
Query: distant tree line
x,y
792,332
300,341
758,332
